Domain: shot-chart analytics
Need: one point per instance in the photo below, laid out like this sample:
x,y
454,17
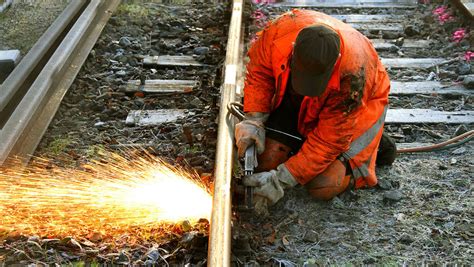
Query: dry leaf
x,y
271,238
95,237
76,244
87,243
139,94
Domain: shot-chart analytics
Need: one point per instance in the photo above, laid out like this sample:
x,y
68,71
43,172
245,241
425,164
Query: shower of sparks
x,y
106,196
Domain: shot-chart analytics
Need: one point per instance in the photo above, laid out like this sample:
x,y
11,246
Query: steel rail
x,y
409,4
466,7
21,78
5,4
22,132
219,250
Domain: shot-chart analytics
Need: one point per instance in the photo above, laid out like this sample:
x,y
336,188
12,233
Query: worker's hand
x,y
271,185
251,131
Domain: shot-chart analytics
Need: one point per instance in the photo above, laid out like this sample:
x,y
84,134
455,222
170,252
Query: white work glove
x,y
269,186
251,131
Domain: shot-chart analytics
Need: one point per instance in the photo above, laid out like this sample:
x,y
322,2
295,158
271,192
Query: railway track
x,y
416,100
152,84
33,92
156,93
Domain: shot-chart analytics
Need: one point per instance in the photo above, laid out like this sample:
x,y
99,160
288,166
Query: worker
x,y
320,87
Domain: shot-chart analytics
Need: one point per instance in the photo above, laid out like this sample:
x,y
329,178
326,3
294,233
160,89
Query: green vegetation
x,y
134,10
83,264
57,146
192,149
95,151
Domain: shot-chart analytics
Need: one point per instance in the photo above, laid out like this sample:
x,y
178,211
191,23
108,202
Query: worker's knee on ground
x,y
387,151
274,154
330,183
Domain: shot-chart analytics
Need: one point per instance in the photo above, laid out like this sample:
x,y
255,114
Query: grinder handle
x,y
250,162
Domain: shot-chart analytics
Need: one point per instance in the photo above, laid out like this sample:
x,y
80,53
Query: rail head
x,y
29,120
466,7
220,233
37,53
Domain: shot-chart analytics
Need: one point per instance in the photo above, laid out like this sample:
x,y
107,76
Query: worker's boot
x,y
331,182
274,154
387,151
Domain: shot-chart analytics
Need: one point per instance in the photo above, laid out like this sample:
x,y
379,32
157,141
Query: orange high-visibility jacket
x,y
346,120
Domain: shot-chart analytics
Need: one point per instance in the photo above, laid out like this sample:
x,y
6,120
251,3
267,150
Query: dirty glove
x,y
260,205
271,184
251,130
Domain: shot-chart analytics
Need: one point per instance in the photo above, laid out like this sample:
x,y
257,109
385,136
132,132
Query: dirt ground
x,y
25,21
420,212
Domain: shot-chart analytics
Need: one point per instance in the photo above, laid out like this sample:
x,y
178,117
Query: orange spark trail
x,y
107,196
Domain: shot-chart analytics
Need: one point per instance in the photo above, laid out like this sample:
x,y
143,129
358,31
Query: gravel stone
x,y
393,196
460,130
390,35
464,68
459,151
468,81
412,30
201,50
124,41
384,184
406,239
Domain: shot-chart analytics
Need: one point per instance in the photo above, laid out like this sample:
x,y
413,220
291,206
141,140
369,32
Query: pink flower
x,y
468,55
459,35
440,10
443,14
253,39
445,18
257,15
263,1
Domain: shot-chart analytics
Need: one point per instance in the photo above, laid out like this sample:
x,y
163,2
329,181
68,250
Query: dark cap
x,y
315,52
